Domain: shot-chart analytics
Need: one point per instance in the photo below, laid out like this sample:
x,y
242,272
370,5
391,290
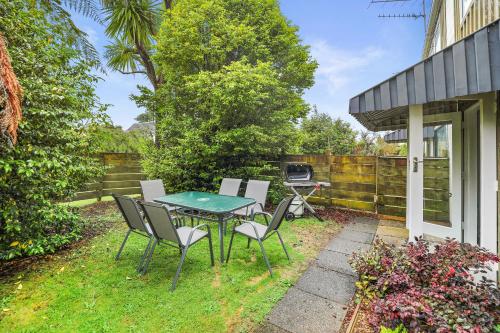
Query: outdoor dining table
x,y
217,205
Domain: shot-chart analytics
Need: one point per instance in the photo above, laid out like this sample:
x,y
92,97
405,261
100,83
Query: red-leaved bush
x,y
440,289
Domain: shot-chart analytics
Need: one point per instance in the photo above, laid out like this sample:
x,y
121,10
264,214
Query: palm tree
x,y
58,10
133,24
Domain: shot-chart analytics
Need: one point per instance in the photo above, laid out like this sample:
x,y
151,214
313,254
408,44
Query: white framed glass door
x,y
442,172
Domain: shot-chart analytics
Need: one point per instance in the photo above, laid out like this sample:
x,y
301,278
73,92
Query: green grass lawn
x,y
84,289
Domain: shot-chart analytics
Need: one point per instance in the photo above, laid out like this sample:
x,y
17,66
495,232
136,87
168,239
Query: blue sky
x,y
354,48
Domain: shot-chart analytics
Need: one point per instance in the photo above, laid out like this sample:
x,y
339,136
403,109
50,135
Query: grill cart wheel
x,y
290,216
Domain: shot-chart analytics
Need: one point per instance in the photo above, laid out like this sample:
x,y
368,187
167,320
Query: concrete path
x,y
318,302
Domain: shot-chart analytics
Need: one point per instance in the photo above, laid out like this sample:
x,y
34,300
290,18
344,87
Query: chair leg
x,y
146,252
211,249
148,258
265,256
248,242
184,252
123,244
283,245
230,245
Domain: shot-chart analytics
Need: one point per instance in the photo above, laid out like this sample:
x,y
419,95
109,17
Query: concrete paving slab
x,y
365,219
334,286
335,261
392,232
392,240
363,227
392,223
354,235
268,327
302,312
346,246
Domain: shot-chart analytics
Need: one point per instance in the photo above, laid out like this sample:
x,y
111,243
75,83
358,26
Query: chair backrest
x,y
152,189
279,213
230,186
130,211
160,221
257,189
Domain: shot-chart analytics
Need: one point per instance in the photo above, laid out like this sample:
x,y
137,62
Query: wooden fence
x,y
123,173
378,184
367,183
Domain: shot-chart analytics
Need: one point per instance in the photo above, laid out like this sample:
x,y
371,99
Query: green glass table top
x,y
207,202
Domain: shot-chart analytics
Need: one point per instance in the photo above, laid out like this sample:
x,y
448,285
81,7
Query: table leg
x,y
221,238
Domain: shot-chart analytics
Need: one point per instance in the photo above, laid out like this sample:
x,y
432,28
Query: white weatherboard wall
x,y
488,174
415,180
471,165
450,21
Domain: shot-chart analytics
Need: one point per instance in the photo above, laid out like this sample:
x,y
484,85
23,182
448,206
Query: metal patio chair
x,y
152,189
256,189
230,186
136,224
260,232
165,233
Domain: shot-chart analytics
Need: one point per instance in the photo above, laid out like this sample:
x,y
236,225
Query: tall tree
x,y
320,133
234,72
133,25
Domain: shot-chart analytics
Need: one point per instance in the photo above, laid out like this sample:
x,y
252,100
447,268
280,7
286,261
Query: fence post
x,y
101,180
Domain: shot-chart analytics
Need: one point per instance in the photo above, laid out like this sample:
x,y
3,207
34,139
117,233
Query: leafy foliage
x,y
429,290
51,159
321,132
399,329
232,94
113,139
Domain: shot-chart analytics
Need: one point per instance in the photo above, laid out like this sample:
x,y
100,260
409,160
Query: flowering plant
x,y
440,289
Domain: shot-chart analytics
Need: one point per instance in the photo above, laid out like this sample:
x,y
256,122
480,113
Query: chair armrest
x,y
196,228
252,223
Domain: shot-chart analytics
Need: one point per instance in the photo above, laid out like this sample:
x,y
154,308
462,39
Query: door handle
x,y
415,164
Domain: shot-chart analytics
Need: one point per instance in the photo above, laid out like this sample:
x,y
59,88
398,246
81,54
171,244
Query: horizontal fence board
x,y
124,169
123,191
124,176
392,210
353,168
360,187
121,184
392,189
354,159
123,173
352,204
351,195
85,195
352,178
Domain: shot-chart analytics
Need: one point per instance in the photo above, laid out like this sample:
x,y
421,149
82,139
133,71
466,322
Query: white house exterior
x,y
456,86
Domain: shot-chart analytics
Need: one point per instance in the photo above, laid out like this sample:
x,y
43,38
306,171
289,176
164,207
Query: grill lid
x,y
298,172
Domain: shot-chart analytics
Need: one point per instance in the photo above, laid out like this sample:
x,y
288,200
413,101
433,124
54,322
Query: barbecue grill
x,y
299,175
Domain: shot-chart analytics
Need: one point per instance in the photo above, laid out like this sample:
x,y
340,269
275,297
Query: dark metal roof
x,y
470,66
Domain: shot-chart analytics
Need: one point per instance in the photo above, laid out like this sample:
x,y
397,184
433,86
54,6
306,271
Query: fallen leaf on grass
x,y
128,278
5,310
19,287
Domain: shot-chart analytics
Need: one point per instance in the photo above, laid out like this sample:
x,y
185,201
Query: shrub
x,y
428,290
50,161
232,94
